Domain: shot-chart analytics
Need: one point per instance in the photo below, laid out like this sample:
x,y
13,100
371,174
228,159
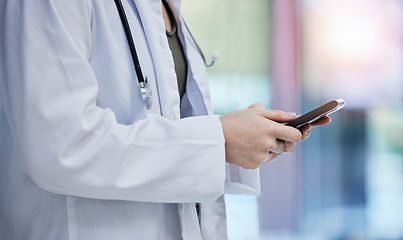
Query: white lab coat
x,y
80,156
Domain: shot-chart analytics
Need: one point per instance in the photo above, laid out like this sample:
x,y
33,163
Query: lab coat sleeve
x,y
242,181
67,144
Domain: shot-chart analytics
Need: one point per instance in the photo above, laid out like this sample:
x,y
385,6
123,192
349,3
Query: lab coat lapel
x,y
150,13
197,85
213,219
189,222
198,90
175,5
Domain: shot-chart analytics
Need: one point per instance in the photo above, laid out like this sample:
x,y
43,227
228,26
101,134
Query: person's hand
x,y
306,132
307,129
288,147
253,133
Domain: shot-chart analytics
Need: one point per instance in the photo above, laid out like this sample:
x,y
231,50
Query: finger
x,y
305,135
277,115
287,133
289,146
257,105
274,157
321,121
271,157
268,157
306,131
306,128
278,147
279,130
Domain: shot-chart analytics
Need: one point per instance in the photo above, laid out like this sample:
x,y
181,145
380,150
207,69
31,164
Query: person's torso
x,y
27,210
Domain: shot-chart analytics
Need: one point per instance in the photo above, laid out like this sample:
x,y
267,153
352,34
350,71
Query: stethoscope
x,y
146,93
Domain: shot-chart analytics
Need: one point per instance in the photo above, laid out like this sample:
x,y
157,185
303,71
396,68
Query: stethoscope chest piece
x,y
146,93
145,89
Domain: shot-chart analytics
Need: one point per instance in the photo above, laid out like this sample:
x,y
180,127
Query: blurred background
x,y
346,181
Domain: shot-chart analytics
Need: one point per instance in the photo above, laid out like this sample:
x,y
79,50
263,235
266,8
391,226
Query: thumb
x,y
277,115
257,106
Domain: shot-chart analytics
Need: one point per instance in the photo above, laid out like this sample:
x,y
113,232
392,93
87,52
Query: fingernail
x,y
310,128
291,114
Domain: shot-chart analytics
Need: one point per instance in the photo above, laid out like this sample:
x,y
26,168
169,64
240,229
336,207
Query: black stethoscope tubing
x,y
130,40
146,93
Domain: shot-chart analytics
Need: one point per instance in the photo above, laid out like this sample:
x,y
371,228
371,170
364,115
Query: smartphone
x,y
317,113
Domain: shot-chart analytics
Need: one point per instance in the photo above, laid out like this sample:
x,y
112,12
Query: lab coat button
x,y
163,42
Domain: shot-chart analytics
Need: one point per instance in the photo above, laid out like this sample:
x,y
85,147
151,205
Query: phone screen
x,y
317,113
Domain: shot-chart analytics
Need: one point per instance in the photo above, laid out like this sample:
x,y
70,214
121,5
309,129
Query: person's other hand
x,y
252,133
